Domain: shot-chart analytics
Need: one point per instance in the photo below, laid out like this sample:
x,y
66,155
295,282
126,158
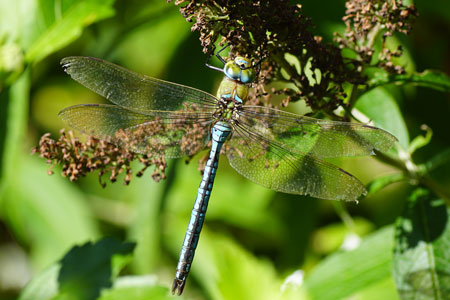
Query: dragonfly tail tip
x,y
178,286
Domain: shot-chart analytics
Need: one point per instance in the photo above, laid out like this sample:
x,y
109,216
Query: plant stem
x,y
422,179
351,101
345,216
15,135
373,35
436,188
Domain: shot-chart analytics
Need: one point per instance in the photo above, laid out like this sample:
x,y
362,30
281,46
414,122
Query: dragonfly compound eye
x,y
242,62
240,69
247,76
232,70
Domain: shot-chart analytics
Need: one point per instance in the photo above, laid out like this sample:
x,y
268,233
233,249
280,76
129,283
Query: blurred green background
x,y
253,238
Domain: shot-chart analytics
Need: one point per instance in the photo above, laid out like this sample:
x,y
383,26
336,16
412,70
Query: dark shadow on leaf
x,y
421,248
425,219
87,269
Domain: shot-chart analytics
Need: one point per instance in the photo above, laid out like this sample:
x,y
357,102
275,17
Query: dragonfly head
x,y
240,69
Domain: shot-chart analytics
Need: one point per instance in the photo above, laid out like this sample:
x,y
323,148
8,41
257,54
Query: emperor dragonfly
x,y
276,149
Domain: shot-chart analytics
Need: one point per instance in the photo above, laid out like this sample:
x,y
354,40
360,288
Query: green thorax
x,y
233,89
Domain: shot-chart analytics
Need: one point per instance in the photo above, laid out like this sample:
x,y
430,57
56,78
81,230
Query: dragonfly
x,y
279,150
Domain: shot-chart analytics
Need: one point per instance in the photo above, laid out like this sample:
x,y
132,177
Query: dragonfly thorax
x,y
233,89
228,110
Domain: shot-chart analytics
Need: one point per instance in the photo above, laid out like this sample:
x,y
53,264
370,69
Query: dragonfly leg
x,y
218,56
218,53
211,66
257,64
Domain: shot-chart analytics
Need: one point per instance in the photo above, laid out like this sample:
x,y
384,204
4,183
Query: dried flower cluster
x,y
273,28
365,20
80,158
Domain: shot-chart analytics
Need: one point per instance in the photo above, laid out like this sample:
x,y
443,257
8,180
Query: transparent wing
x,y
320,138
271,165
135,91
173,134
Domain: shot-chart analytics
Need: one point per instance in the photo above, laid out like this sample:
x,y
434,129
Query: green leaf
x,y
81,274
379,106
16,123
64,23
421,141
345,273
383,181
384,289
436,161
422,243
227,271
429,78
18,21
46,212
145,228
86,269
152,58
11,63
43,286
137,288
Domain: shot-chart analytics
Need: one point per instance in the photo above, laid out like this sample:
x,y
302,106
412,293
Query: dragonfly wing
x,y
271,165
135,91
173,134
321,138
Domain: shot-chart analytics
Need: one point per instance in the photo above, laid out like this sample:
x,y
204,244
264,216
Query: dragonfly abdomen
x,y
220,133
